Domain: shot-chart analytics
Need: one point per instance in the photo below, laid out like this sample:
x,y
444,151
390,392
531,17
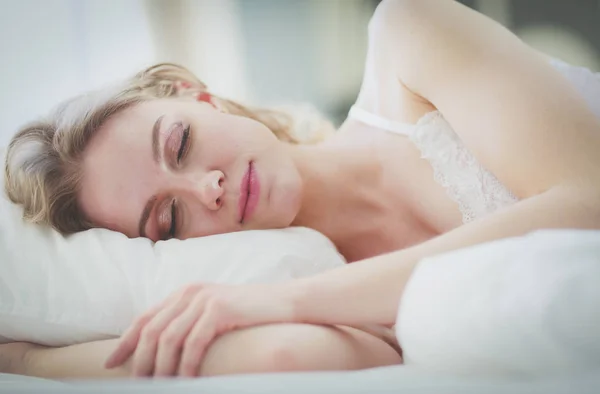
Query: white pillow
x,y
57,290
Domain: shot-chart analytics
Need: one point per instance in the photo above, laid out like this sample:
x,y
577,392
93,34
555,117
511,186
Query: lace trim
x,y
476,190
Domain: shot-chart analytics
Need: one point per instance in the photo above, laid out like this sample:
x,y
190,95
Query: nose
x,y
211,189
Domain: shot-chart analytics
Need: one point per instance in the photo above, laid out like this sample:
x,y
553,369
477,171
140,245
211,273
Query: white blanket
x,y
525,306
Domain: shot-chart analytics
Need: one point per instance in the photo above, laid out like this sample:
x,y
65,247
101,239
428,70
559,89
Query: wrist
x,y
296,298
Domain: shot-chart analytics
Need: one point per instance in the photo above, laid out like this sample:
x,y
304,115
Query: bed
x,y
528,307
399,379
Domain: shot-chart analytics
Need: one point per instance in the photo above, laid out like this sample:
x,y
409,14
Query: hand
x,y
172,337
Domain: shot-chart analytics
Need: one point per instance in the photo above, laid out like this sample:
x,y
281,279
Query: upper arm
x,y
519,117
381,92
296,347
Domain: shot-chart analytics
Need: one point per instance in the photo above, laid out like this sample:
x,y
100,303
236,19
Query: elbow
x,y
589,198
579,202
281,358
269,358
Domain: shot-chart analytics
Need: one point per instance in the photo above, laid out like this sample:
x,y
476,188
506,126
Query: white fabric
x,y
379,122
584,80
476,190
389,380
58,290
522,306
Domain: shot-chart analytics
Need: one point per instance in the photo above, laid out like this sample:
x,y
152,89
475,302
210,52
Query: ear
x,y
186,88
200,93
208,98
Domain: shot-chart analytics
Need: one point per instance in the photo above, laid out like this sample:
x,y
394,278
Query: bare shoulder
x,y
509,107
382,93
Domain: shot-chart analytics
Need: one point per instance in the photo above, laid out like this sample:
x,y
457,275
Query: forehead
x,y
119,172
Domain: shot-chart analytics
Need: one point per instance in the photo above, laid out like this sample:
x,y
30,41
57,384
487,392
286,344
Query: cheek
x,y
202,223
214,149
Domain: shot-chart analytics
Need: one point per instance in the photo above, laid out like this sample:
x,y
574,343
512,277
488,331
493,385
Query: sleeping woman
x,y
461,134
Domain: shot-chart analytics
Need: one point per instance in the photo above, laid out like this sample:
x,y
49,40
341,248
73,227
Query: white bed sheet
x,y
397,379
581,377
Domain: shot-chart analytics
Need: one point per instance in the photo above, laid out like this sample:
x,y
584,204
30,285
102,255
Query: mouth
x,y
249,192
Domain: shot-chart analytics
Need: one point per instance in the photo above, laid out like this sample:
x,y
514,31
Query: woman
x,y
507,140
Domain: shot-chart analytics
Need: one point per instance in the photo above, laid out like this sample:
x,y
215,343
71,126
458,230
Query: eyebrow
x,y
155,139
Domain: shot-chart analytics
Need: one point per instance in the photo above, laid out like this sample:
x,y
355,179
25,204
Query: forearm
x,y
13,357
83,361
370,291
261,349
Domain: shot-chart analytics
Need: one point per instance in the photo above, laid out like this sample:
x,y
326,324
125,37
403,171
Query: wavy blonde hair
x,y
42,171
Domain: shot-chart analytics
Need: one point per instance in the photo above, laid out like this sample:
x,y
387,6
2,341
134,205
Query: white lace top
x,y
475,189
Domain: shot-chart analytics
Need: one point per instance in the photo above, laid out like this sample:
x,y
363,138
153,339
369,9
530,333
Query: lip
x,y
249,193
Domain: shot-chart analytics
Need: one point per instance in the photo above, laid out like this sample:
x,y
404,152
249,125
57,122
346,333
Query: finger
x,y
129,340
196,343
174,336
145,353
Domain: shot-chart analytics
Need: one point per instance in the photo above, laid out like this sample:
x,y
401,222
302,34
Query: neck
x,y
340,190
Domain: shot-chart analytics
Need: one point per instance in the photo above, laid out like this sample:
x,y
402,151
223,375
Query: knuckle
x,y
198,303
169,338
194,342
150,334
190,290
219,313
215,305
142,320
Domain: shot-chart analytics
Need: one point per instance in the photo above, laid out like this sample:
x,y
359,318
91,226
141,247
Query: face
x,y
178,168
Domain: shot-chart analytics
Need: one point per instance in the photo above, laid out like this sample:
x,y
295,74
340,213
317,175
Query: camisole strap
x,y
371,119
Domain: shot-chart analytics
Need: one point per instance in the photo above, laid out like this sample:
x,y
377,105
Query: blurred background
x,y
255,51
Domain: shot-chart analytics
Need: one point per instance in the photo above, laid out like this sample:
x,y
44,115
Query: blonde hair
x,y
42,161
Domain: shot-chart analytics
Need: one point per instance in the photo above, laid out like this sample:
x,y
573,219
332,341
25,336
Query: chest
x,y
411,206
427,171
407,177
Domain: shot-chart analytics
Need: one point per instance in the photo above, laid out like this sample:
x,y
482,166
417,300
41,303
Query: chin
x,y
283,207
290,206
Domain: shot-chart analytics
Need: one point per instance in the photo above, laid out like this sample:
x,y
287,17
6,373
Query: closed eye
x,y
183,147
173,227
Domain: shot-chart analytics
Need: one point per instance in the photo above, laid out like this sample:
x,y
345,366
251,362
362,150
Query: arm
x,y
370,290
262,349
518,116
364,292
71,362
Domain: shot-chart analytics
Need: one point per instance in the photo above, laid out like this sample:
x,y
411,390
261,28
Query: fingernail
x,y
110,362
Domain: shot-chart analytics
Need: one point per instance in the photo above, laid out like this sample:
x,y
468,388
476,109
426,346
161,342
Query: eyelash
x,y
173,227
183,148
